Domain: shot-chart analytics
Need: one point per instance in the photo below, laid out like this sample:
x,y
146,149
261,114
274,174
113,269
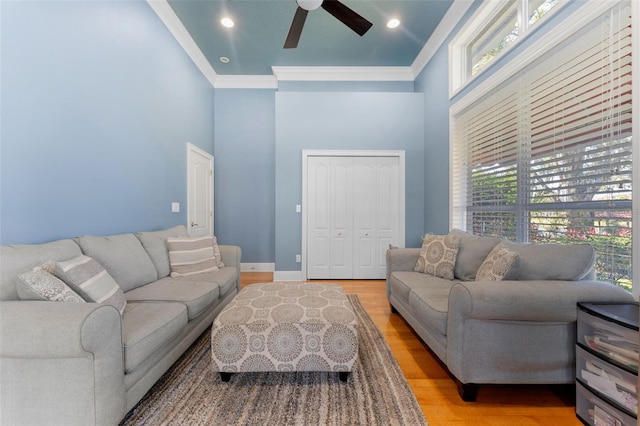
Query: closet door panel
x,y
341,217
387,208
318,216
365,217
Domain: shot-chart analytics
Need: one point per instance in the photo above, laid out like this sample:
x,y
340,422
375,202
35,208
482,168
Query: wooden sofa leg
x,y
467,391
225,377
393,310
344,376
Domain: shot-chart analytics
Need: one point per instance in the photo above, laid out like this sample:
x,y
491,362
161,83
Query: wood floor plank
x,y
496,405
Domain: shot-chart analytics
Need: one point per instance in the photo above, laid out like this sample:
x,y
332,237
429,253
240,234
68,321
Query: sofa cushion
x,y
17,259
90,280
123,257
430,304
155,243
226,278
472,252
191,256
39,284
438,255
147,328
196,295
501,263
568,262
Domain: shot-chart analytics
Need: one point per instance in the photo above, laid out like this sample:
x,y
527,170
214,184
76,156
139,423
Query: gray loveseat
x,y
515,331
85,363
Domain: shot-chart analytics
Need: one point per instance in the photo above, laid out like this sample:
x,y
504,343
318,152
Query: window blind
x,y
546,156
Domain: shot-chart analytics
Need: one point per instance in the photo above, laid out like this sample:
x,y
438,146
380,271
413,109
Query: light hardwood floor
x,y
436,391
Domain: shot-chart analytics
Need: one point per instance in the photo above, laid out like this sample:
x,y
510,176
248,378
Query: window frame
x,y
460,63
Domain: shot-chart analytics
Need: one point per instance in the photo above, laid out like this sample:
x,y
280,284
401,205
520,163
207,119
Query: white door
x,y
352,215
199,192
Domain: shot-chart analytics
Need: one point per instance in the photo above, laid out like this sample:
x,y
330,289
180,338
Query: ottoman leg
x,y
344,376
225,377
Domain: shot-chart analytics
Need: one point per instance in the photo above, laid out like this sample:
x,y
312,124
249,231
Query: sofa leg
x,y
344,376
393,310
225,377
467,391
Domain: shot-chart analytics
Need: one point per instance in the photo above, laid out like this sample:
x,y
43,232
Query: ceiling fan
x,y
347,16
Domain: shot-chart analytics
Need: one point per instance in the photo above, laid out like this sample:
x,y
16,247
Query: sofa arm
x,y
401,259
518,331
231,255
61,363
541,301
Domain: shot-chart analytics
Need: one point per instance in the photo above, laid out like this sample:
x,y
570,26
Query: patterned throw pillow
x,y
41,284
216,253
90,280
190,256
500,263
438,255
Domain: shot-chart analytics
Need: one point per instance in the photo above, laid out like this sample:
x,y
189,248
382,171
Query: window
x,y
545,156
497,26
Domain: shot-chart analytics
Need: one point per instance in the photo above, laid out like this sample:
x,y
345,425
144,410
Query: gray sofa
x,y
515,331
85,363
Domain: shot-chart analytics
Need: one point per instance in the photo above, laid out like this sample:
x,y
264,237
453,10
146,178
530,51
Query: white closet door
x,y
352,215
388,210
341,214
318,217
365,217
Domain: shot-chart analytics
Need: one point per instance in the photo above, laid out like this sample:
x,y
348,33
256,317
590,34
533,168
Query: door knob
x,y
339,233
193,224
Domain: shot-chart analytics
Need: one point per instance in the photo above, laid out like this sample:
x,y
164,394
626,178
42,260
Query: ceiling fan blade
x,y
348,17
296,28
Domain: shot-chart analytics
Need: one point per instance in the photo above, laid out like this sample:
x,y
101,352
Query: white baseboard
x,y
257,267
288,276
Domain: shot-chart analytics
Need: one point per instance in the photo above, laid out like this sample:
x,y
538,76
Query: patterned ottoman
x,y
286,327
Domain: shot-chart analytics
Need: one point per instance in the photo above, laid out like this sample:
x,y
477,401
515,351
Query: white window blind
x,y
546,156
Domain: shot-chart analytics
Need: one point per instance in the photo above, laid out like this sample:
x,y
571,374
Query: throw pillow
x,y
216,253
41,284
438,255
498,265
190,256
90,280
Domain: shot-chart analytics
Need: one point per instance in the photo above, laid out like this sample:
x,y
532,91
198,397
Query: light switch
x,y
175,207
298,208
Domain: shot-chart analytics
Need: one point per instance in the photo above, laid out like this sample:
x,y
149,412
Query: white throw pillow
x,y
90,280
190,256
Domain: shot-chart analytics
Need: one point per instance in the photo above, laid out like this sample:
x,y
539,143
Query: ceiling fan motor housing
x,y
309,4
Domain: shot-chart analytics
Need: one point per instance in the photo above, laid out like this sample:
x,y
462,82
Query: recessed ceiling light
x,y
224,59
227,22
393,23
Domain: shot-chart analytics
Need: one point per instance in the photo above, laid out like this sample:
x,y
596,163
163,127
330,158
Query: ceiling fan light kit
x,y
309,4
341,12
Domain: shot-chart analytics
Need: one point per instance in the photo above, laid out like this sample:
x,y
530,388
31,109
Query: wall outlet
x,y
175,207
298,258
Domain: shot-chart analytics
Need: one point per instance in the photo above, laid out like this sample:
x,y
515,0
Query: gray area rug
x,y
190,393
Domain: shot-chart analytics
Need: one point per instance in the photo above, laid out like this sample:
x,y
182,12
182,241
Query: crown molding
x,y
342,73
456,11
246,82
173,23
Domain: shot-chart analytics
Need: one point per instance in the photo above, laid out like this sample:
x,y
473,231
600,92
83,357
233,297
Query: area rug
x,y
190,393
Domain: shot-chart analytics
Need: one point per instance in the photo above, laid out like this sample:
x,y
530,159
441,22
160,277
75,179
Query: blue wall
x,y
244,198
98,102
343,121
